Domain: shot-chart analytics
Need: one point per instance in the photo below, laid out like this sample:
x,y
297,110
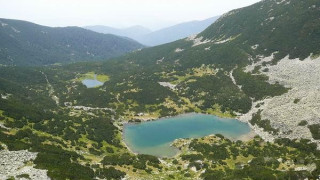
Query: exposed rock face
x,y
247,117
178,50
167,84
303,77
15,163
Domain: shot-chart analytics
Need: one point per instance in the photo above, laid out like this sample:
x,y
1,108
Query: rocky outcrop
x,y
301,103
15,163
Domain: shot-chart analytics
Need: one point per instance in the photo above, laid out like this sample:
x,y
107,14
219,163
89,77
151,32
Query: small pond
x,y
91,83
155,137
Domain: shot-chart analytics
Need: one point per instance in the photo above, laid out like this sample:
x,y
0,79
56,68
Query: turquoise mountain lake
x,y
155,137
91,83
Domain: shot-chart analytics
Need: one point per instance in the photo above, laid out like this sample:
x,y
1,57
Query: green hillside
x,y
25,43
289,27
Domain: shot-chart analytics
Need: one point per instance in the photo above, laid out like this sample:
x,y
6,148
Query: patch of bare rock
x,y
301,103
15,163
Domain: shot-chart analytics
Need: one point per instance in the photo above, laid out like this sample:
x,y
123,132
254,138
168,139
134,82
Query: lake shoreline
x,y
179,115
244,137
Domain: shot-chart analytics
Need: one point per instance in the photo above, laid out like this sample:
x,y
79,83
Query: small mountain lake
x,y
91,83
155,137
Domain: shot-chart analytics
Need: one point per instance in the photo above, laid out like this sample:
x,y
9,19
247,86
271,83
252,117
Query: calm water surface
x,y
155,137
91,83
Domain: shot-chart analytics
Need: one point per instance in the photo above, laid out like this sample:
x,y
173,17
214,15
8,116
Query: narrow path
x,y
85,108
248,116
51,89
233,79
56,99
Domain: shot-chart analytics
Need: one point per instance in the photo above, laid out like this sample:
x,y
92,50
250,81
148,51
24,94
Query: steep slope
x,y
289,27
175,32
133,32
236,66
280,33
229,74
24,43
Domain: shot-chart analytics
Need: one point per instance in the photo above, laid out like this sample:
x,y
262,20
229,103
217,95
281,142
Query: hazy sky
x,y
117,13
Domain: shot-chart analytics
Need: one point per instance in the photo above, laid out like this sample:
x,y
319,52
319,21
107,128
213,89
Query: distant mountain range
x,y
162,36
25,43
176,32
134,32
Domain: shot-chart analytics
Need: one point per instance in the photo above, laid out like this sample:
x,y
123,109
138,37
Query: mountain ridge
x,y
25,43
130,32
176,32
158,37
